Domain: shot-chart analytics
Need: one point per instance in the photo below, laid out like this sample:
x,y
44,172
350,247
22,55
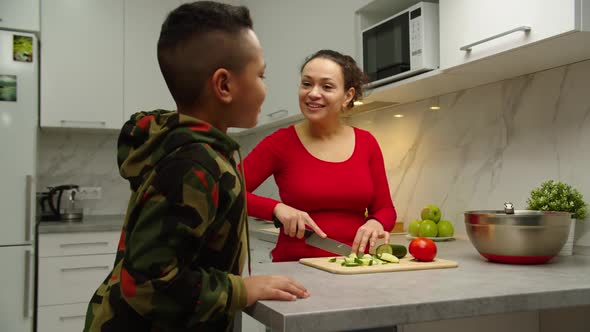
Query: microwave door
x,y
393,53
386,49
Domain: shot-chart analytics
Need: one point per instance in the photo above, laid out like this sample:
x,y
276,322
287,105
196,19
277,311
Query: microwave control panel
x,y
416,32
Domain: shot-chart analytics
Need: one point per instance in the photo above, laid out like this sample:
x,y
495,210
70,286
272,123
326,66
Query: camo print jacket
x,y
184,240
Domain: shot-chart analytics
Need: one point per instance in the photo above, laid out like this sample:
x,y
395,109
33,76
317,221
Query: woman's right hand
x,y
294,221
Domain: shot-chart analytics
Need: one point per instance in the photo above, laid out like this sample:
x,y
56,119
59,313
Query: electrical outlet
x,y
89,193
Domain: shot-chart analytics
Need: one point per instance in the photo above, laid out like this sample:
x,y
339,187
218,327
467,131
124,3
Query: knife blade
x,y
327,244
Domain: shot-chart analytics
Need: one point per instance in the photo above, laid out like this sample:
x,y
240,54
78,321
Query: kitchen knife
x,y
327,244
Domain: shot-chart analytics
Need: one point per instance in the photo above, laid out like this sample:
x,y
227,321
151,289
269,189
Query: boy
x,y
184,240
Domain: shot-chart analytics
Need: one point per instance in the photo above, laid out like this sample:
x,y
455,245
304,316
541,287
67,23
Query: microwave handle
x,y
468,47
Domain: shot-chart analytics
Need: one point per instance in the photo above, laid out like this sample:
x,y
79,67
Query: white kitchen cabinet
x,y
62,318
289,31
71,267
464,22
82,63
16,302
19,15
145,88
559,35
71,279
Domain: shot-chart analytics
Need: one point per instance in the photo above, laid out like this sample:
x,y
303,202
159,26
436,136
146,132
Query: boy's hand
x,y
273,288
294,221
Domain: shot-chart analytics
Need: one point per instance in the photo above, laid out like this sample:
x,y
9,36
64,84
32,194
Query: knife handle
x,y
279,224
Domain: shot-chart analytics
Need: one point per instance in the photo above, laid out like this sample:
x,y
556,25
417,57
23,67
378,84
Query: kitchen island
x,y
476,288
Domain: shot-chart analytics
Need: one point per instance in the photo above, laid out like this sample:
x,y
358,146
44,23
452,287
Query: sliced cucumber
x,y
397,250
389,258
384,249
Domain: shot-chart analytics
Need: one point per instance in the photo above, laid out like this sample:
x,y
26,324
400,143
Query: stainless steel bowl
x,y
524,237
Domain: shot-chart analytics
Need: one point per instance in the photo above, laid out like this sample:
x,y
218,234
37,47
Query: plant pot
x,y
568,247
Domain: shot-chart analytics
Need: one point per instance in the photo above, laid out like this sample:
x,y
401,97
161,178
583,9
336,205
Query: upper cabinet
x,y
99,62
145,88
19,15
485,41
82,63
472,30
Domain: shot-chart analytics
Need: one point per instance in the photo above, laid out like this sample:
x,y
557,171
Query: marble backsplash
x,y
485,146
85,159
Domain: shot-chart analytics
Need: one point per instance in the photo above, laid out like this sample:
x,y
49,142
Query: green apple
x,y
414,227
431,212
445,228
428,228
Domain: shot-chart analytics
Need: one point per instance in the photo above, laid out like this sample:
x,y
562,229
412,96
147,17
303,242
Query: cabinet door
x,y
62,318
82,63
463,22
19,14
16,302
73,244
145,88
71,279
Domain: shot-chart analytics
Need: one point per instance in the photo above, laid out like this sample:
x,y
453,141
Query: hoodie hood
x,y
148,137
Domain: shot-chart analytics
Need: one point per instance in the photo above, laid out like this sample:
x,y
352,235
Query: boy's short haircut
x,y
198,38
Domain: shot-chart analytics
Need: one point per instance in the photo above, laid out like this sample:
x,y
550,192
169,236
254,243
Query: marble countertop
x,y
477,287
102,223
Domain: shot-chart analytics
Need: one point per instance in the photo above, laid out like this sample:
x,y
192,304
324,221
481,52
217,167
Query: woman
x,y
328,173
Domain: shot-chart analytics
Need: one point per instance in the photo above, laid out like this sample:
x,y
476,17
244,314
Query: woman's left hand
x,y
369,233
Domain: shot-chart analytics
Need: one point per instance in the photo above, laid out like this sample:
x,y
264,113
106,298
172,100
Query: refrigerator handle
x,y
28,302
30,208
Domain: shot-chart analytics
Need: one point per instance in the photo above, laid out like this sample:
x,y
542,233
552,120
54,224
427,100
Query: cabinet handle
x,y
277,114
66,245
29,214
97,124
102,267
28,293
62,318
524,28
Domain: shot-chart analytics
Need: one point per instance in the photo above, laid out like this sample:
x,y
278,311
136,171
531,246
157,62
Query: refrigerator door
x,y
16,302
19,104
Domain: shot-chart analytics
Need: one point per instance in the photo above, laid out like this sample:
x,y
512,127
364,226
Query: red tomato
x,y
423,249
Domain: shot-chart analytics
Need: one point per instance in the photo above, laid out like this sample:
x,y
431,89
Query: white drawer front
x,y
73,279
70,244
61,318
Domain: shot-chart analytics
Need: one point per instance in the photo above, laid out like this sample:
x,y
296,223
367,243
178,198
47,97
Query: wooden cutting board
x,y
407,263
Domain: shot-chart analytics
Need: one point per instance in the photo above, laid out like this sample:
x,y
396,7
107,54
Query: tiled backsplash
x,y
485,146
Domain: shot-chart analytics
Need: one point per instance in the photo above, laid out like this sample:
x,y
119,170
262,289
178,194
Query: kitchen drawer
x,y
61,318
70,244
72,279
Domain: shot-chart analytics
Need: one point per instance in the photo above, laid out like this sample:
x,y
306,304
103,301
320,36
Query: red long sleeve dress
x,y
334,194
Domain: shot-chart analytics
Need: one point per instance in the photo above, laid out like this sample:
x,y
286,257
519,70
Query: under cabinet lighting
x,y
434,107
358,103
398,116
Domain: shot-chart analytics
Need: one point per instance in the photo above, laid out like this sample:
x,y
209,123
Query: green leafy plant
x,y
558,196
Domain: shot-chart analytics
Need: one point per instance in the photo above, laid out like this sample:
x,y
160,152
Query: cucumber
x,y
396,250
389,258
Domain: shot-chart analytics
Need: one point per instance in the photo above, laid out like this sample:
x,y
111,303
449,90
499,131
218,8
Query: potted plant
x,y
559,196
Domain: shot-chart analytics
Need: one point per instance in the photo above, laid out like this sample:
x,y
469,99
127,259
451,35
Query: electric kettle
x,y
55,206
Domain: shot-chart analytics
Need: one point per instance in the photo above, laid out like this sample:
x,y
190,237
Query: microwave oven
x,y
402,45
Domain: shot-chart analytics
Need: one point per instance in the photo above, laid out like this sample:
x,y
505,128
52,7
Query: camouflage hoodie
x,y
184,240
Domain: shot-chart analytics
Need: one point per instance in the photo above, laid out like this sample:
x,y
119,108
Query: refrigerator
x,y
19,105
